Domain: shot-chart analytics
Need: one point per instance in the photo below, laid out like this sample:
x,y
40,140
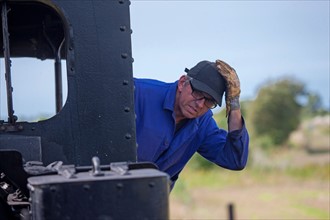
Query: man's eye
x,y
199,94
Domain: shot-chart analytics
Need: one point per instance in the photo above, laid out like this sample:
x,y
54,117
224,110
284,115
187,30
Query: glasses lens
x,y
210,103
197,94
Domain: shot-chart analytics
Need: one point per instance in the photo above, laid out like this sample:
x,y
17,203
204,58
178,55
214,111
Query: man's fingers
x,y
224,68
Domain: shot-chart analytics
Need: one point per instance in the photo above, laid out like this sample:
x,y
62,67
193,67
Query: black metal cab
x,y
53,156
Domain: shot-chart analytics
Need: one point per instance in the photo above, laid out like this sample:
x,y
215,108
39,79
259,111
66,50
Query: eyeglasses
x,y
199,95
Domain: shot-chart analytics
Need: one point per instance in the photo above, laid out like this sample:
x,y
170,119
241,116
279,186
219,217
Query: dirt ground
x,y
266,196
284,201
299,189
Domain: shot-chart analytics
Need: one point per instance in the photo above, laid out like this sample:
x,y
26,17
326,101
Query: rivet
x,y
151,184
119,185
86,187
122,28
124,55
125,82
127,109
121,2
128,136
53,189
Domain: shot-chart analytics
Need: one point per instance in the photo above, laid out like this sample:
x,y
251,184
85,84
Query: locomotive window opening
x,y
33,76
33,89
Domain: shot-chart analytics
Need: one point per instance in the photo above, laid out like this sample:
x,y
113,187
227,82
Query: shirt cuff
x,y
237,133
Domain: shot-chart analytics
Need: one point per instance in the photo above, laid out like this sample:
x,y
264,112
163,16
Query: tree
x,y
313,106
276,110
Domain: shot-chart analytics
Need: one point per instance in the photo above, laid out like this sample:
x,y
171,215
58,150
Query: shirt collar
x,y
170,96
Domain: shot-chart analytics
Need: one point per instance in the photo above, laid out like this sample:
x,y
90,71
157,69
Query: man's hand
x,y
233,89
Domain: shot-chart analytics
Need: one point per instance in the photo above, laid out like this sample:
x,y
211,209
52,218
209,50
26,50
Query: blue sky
x,y
262,40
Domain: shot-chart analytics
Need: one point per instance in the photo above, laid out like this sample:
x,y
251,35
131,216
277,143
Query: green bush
x,y
198,162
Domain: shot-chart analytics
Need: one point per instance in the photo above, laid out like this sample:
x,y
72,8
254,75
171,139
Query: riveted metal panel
x,y
98,117
140,194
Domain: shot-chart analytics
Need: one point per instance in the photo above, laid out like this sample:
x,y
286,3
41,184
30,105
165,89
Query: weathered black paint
x,y
138,195
97,120
98,117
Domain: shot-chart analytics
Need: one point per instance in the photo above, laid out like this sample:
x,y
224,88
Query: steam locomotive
x,y
80,163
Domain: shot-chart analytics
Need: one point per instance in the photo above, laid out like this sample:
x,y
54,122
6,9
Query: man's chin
x,y
190,114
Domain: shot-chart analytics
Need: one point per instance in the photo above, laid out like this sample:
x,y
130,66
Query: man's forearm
x,y
235,120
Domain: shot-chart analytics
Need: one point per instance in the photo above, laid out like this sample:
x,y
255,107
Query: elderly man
x,y
174,120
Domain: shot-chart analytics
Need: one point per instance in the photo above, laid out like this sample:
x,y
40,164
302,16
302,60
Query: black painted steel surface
x,y
98,117
139,194
97,120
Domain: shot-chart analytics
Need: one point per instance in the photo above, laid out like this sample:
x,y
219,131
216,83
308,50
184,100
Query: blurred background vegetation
x,y
287,175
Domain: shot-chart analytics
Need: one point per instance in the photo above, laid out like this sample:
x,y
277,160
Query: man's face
x,y
188,106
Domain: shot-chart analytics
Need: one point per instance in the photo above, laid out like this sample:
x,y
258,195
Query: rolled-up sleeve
x,y
228,150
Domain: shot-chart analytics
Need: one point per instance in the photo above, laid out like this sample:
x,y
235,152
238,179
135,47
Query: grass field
x,y
297,190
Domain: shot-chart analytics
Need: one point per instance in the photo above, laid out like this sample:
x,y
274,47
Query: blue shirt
x,y
160,143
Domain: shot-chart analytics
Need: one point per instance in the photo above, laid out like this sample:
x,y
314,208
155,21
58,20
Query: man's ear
x,y
181,82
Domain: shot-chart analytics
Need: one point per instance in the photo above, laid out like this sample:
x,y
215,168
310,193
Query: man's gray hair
x,y
188,78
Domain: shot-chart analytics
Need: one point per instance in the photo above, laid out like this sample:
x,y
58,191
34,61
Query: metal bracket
x,y
120,168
